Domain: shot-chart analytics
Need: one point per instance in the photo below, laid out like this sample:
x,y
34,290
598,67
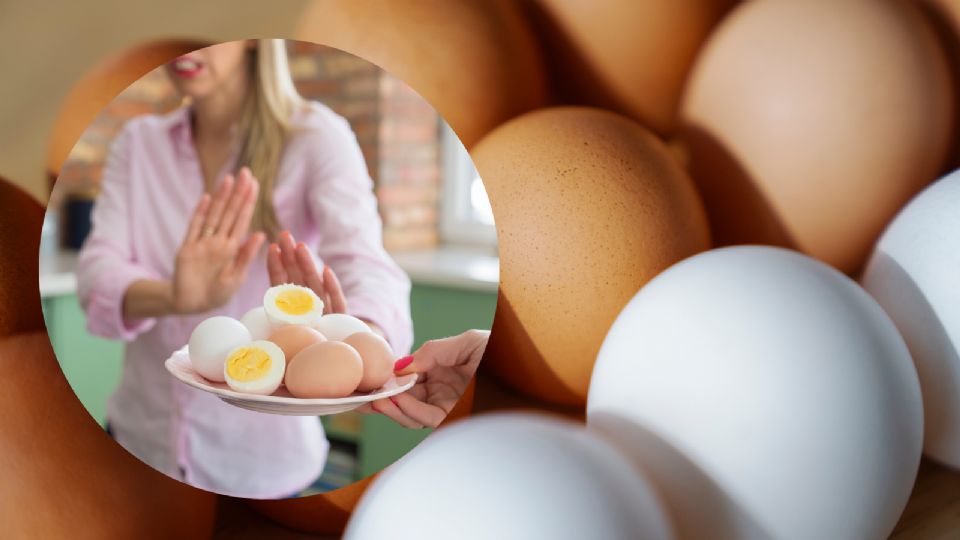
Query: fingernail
x,y
403,362
394,401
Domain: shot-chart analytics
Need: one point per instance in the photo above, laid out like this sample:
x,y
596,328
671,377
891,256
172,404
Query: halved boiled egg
x,y
256,368
292,304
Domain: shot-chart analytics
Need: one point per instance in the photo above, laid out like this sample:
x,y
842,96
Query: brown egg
x,y
625,55
589,206
324,513
21,218
329,369
294,338
377,359
63,474
944,16
477,63
810,124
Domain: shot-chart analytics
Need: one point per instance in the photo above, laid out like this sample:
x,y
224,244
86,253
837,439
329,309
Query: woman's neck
x,y
217,115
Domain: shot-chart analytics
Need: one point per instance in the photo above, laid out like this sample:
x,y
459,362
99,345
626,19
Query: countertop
x,y
454,267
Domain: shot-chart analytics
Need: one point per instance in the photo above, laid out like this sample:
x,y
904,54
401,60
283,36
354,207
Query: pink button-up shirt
x,y
151,184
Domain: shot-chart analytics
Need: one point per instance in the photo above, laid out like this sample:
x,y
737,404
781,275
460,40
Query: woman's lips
x,y
185,66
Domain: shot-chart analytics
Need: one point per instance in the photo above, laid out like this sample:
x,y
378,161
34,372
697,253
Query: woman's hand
x,y
290,262
212,262
445,367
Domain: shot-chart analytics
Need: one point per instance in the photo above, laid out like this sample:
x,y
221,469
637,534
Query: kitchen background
x,y
437,225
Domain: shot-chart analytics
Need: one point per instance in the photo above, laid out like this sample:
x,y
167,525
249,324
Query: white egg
x,y
291,304
257,322
763,391
210,343
338,326
512,476
255,368
914,273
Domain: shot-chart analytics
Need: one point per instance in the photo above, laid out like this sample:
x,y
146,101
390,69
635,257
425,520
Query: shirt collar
x,y
178,125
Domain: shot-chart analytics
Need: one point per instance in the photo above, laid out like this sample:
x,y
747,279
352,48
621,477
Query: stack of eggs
x,y
288,341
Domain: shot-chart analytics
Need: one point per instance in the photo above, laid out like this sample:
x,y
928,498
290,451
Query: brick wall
x,y
397,131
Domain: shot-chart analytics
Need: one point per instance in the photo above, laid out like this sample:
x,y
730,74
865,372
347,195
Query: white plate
x,y
281,402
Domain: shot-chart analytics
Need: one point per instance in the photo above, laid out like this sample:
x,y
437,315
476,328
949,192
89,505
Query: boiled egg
x,y
293,338
329,369
257,322
377,359
211,342
337,326
255,368
291,304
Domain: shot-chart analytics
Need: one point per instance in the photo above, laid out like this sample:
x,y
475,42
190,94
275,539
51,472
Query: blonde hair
x,y
265,124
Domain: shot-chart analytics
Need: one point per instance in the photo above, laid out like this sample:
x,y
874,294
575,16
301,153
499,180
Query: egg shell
x,y
914,273
21,220
210,343
294,338
629,56
377,359
589,206
811,133
477,63
337,326
257,323
329,369
742,370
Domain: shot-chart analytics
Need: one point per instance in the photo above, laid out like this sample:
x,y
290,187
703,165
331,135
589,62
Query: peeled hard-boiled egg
x,y
377,359
329,369
291,304
337,326
293,338
255,368
211,342
257,323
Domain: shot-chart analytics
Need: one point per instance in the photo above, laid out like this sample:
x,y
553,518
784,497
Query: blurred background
x,y
437,224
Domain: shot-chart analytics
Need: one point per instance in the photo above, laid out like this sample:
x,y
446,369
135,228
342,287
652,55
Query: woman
x,y
171,245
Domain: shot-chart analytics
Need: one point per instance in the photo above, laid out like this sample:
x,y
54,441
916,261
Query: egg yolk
x,y
294,302
248,364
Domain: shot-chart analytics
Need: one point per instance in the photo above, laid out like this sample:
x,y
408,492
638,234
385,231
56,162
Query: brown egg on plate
x,y
589,205
329,369
810,124
293,338
377,359
626,55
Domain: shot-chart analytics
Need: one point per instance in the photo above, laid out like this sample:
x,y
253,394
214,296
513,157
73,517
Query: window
x,y
465,213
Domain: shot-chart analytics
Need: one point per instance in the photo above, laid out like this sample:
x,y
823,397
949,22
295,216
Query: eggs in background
x,y
329,369
256,368
588,205
377,357
810,124
210,343
291,304
764,391
914,273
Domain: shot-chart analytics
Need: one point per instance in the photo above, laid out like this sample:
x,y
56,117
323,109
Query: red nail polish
x,y
403,362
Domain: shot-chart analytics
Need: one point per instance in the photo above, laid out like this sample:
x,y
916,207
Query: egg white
x,y
278,317
269,381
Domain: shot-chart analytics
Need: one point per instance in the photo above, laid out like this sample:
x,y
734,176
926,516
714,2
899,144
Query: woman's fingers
x,y
278,274
217,204
246,255
240,226
420,412
241,192
289,258
387,408
338,302
308,270
195,226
